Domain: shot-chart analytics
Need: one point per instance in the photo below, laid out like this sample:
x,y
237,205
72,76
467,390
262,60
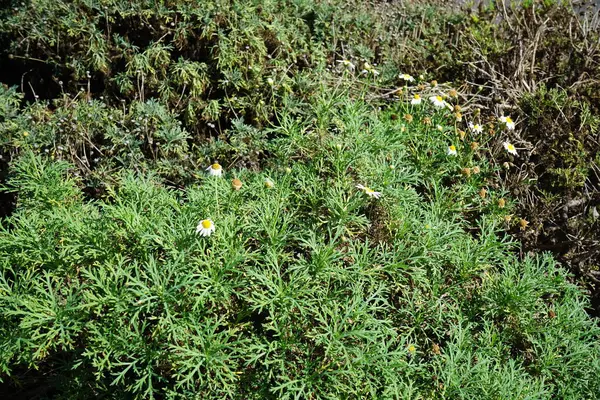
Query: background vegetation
x,y
110,113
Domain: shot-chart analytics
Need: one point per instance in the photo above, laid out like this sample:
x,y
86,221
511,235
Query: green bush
x,y
307,289
311,286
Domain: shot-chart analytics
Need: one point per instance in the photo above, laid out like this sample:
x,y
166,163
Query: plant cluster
x,y
250,200
365,262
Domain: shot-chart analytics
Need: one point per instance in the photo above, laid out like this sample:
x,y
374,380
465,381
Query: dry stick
x,y
31,87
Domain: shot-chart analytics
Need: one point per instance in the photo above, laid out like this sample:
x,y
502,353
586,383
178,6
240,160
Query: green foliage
x,y
307,289
310,287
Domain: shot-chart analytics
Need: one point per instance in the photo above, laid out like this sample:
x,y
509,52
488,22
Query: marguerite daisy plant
x,y
508,122
215,169
510,148
416,100
452,150
368,191
475,128
205,227
438,101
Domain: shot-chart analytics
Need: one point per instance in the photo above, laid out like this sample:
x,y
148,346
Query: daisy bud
x,y
236,184
482,193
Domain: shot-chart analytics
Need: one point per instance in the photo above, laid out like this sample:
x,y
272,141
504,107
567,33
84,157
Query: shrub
x,y
309,288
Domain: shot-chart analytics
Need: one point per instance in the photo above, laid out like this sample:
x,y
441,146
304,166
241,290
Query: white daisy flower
x,y
510,124
438,101
475,128
205,227
215,170
368,191
452,150
510,148
407,77
347,63
416,100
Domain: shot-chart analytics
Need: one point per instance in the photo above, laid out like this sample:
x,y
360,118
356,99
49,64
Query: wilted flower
x,y
466,172
508,122
523,223
416,100
510,148
475,128
205,227
474,145
368,191
501,203
369,69
452,150
476,170
453,93
215,170
483,193
408,118
434,83
347,63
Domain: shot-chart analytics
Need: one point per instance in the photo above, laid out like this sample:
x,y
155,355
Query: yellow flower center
x,y
439,98
510,147
417,97
508,120
206,223
216,166
452,148
369,190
